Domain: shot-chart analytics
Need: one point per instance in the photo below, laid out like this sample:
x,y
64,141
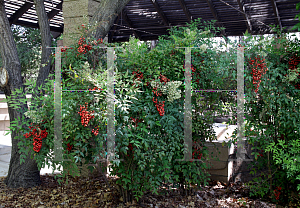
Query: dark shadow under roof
x,y
148,19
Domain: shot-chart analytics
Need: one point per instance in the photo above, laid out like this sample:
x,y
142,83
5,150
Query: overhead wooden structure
x,y
148,19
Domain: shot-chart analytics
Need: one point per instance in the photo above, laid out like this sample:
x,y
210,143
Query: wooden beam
x,y
36,25
215,14
129,23
275,9
22,10
160,13
185,10
55,34
55,11
242,9
111,35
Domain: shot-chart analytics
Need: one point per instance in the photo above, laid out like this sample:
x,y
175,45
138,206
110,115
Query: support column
x,y
76,13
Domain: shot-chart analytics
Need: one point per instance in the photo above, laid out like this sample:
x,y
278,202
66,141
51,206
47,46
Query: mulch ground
x,y
100,192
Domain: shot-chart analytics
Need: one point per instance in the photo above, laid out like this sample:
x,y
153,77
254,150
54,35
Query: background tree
x,y
28,42
297,26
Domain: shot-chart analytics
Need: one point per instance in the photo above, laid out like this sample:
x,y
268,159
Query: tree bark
x,y
46,43
105,16
27,174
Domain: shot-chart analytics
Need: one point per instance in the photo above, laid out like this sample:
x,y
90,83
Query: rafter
x,y
36,25
110,37
275,9
242,9
55,11
22,10
215,14
55,34
185,10
129,23
160,13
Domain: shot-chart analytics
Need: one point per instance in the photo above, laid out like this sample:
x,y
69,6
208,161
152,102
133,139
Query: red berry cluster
x,y
196,152
198,54
193,71
37,137
259,68
95,88
64,50
293,63
85,47
95,131
160,105
136,121
85,115
261,153
69,148
192,67
277,192
163,79
131,150
138,76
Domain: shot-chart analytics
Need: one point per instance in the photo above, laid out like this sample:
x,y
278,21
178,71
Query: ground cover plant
x,y
149,106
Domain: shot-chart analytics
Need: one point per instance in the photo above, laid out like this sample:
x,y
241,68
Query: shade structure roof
x,y
149,19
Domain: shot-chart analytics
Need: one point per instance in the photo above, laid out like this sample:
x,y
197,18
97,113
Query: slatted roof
x,y
148,19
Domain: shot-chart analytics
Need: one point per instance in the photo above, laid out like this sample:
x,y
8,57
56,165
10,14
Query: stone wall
x,y
227,170
76,13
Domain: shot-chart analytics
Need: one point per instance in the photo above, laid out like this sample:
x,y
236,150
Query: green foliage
x,y
272,119
158,140
28,43
149,142
297,26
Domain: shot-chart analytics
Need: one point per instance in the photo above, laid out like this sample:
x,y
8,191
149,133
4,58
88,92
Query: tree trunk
x,y
46,43
105,16
26,174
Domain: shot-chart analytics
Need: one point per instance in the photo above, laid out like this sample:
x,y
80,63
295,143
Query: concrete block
x,y
4,149
92,6
5,140
3,104
4,124
4,117
71,31
221,168
75,8
218,161
3,169
5,157
3,110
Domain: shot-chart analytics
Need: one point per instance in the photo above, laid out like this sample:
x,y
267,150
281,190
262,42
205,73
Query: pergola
x,y
148,19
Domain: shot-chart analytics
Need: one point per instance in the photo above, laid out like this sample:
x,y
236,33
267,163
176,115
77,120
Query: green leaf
x,y
82,154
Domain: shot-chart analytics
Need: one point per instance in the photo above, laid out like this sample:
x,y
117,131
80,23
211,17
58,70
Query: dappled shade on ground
x,y
99,192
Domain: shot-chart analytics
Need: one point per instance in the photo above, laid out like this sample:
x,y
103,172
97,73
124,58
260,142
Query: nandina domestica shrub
x,y
149,109
158,141
272,118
